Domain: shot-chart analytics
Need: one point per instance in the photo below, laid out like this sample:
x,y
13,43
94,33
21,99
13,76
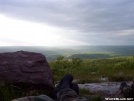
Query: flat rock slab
x,y
107,89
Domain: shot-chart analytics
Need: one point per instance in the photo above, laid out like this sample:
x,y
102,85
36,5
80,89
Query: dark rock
x,y
25,68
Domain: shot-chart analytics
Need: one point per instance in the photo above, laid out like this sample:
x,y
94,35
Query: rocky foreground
x,y
33,69
106,89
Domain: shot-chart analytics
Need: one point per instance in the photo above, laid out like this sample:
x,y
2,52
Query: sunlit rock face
x,y
25,68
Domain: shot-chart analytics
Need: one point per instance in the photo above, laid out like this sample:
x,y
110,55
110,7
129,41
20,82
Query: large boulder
x,y
25,68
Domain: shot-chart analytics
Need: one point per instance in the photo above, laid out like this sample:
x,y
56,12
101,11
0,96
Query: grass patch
x,y
10,92
84,91
96,98
87,71
82,81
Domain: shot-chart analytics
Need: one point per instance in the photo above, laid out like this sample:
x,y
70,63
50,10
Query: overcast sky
x,y
66,22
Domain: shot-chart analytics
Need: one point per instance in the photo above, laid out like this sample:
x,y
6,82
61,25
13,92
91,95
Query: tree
x,y
60,58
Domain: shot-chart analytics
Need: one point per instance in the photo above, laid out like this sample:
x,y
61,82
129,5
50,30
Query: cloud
x,y
13,42
96,21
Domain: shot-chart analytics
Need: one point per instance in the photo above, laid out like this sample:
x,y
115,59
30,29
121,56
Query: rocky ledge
x,y
106,89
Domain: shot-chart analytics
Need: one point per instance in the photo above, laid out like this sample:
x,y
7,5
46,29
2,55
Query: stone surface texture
x,y
106,89
24,67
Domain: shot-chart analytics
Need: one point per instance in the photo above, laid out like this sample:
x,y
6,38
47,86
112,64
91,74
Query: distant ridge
x,y
84,52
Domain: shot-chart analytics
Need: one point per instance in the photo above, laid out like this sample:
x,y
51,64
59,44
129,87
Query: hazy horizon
x,y
84,52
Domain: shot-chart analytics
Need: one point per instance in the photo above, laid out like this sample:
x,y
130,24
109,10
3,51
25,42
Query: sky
x,y
66,22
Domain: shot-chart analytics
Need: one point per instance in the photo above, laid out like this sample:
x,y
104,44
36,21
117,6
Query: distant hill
x,y
83,52
89,56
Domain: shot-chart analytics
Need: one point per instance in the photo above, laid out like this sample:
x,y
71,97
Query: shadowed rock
x,y
27,69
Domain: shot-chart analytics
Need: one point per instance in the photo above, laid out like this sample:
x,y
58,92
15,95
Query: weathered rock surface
x,y
106,89
25,68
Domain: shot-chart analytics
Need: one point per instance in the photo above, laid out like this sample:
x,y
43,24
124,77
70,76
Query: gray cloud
x,y
97,21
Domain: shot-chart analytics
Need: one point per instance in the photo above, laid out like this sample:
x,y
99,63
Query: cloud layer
x,y
97,22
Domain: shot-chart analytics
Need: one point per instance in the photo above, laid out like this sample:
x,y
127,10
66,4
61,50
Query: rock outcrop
x,y
25,68
106,89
